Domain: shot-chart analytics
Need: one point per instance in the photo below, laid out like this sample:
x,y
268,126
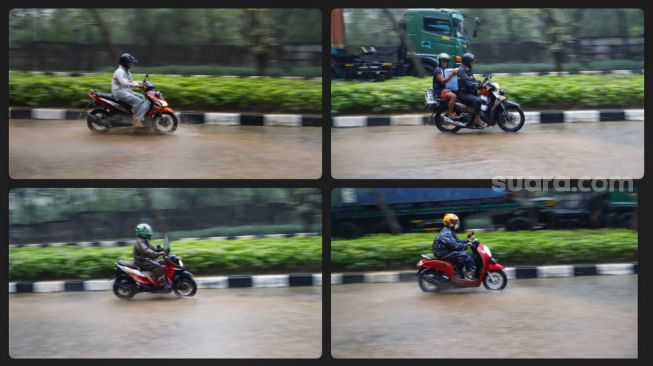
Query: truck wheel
x,y
518,223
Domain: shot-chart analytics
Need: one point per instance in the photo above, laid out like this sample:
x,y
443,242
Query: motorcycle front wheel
x,y
511,119
124,287
165,123
184,286
97,128
495,280
428,281
436,118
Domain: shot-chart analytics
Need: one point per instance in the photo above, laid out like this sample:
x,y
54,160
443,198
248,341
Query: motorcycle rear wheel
x,y
123,287
428,281
495,280
443,126
184,286
100,113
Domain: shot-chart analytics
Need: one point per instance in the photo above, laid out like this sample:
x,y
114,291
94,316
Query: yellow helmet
x,y
449,219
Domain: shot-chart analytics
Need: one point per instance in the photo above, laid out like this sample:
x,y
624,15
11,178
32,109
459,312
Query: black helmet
x,y
126,59
468,58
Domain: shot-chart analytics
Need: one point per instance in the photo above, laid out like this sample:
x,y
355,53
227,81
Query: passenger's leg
x,y
452,105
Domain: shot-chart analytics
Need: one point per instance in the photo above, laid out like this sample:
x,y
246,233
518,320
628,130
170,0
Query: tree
x,y
105,31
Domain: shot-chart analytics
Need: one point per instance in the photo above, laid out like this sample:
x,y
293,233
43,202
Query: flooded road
x,y
423,152
574,317
225,323
68,150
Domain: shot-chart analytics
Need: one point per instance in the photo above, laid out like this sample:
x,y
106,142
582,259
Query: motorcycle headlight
x,y
496,86
181,264
163,103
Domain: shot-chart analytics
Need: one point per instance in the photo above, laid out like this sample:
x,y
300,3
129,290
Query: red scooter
x,y
130,279
107,112
435,274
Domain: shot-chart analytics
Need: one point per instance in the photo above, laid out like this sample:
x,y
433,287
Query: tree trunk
x,y
154,212
106,34
388,213
552,33
410,50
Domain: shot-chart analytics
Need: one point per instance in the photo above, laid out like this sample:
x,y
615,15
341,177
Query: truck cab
x,y
433,31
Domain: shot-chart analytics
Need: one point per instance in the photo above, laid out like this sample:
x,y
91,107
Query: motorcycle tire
x,y
436,119
184,286
124,287
165,123
95,128
428,281
501,119
495,286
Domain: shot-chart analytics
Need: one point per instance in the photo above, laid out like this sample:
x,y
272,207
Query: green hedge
x,y
201,257
184,93
406,94
601,65
385,251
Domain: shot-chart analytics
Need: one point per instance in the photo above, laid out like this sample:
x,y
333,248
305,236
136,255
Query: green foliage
x,y
201,257
385,251
406,94
184,93
602,65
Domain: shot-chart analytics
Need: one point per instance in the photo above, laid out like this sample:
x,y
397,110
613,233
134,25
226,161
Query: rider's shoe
x,y
138,124
469,276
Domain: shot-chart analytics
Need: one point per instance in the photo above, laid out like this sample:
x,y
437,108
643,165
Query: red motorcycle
x,y
130,279
108,113
435,274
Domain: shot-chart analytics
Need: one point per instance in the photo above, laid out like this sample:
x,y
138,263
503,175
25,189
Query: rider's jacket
x,y
122,83
466,81
446,242
144,251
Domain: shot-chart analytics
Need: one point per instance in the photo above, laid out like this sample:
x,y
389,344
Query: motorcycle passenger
x,y
121,89
468,87
448,247
145,255
439,81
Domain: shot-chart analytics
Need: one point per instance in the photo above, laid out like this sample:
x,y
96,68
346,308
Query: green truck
x,y
424,34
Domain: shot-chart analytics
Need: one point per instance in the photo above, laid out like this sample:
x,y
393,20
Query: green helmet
x,y
144,231
443,56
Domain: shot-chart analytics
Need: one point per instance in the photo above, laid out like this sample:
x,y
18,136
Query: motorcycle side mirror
x,y
470,235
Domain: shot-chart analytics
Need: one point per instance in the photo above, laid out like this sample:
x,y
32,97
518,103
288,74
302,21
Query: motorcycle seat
x,y
110,97
129,264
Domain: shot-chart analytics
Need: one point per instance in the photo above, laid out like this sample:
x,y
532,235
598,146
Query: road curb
x,y
594,115
215,282
208,118
123,243
520,272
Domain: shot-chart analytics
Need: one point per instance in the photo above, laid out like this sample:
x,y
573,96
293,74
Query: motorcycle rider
x,y
468,87
121,89
145,255
448,247
439,81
